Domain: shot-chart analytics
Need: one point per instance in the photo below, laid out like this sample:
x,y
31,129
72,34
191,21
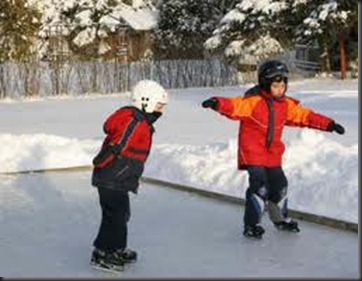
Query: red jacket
x,y
120,162
139,141
262,120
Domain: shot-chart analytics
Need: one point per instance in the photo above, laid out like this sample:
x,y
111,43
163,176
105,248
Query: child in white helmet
x,y
118,167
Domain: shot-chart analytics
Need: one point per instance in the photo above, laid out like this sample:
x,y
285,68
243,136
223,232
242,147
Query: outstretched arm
x,y
300,116
233,108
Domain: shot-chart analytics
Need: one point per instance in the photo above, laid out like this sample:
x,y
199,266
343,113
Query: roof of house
x,y
142,19
138,19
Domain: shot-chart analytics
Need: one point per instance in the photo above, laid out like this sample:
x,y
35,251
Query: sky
x,y
49,220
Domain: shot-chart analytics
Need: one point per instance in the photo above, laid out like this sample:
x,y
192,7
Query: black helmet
x,y
272,70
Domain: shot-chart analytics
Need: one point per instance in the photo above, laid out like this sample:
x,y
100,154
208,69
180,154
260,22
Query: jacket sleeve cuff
x,y
224,106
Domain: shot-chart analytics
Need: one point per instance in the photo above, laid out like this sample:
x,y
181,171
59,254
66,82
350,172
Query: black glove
x,y
213,103
336,127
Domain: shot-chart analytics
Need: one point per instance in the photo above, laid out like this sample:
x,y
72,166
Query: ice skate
x,y
254,231
127,255
106,261
290,225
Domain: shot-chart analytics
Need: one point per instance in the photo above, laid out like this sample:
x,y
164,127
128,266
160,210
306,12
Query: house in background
x,y
126,35
134,39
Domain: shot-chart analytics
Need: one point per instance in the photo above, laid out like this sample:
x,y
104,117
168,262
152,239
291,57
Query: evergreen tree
x,y
327,22
183,25
19,26
250,32
86,25
255,30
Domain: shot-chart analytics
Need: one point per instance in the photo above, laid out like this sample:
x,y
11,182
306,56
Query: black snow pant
x,y
115,205
267,189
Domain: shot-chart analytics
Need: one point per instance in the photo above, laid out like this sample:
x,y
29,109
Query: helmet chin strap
x,y
144,107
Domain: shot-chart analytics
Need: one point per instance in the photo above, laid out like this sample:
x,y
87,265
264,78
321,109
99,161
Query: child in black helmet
x,y
263,111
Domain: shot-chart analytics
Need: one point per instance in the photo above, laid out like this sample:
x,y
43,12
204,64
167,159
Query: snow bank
x,y
41,151
322,173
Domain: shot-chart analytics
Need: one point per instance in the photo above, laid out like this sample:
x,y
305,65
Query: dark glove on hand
x,y
337,128
213,103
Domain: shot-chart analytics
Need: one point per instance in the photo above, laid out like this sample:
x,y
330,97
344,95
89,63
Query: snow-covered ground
x,y
48,222
197,147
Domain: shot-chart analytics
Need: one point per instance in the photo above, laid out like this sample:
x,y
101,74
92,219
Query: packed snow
x,y
197,147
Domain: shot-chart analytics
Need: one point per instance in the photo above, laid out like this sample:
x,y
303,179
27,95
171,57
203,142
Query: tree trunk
x,y
342,58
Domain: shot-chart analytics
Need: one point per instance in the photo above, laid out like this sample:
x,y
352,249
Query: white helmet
x,y
146,94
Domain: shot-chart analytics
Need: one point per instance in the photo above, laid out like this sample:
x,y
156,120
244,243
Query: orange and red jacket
x,y
262,119
139,140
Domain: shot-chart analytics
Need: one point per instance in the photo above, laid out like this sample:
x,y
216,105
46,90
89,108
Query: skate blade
x,y
129,261
113,269
253,237
290,230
